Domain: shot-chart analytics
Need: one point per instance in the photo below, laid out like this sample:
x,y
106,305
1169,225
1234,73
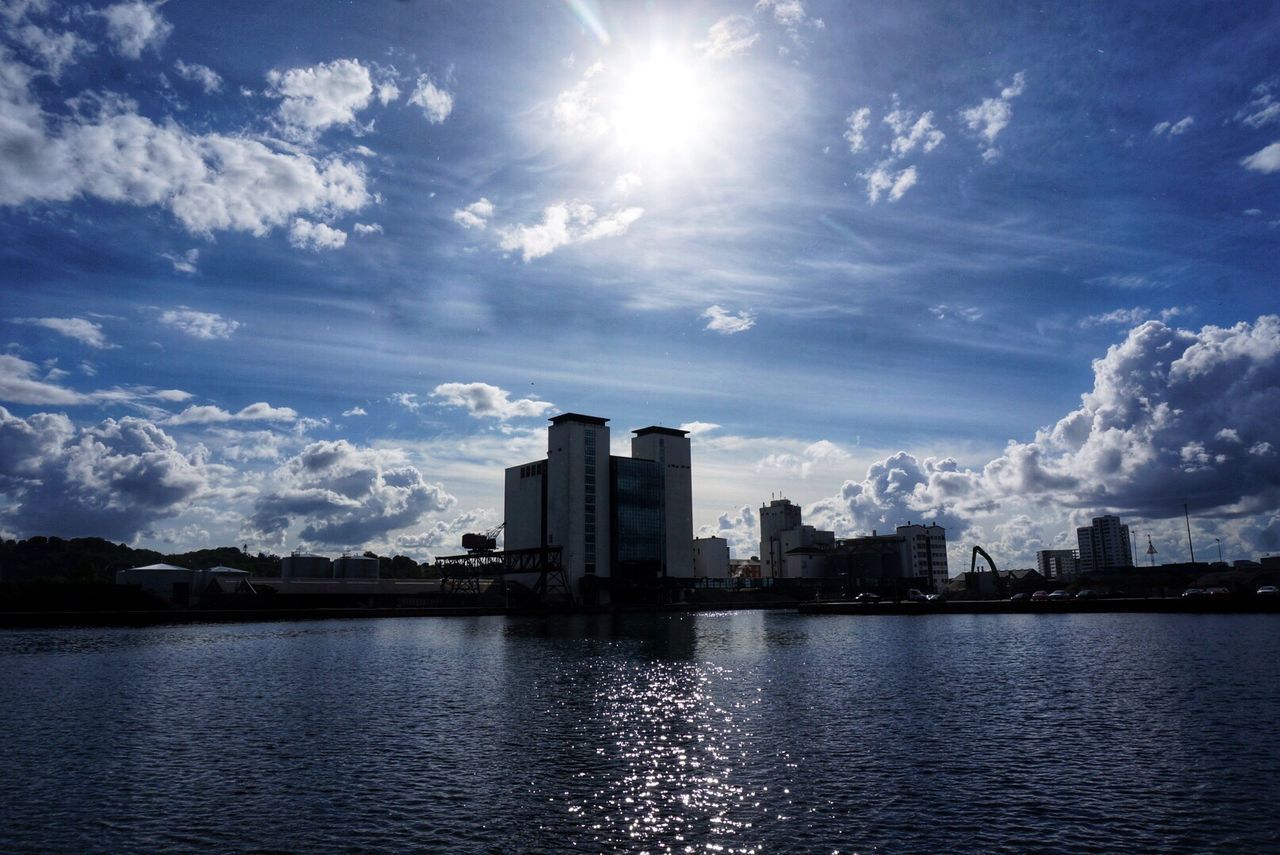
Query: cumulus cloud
x,y
202,325
858,122
112,480
993,115
320,96
728,37
365,229
209,415
740,528
791,16
183,262
576,109
910,131
699,428
134,27
209,182
1266,160
436,103
627,183
81,329
54,51
343,495
355,411
208,79
474,216
304,234
881,178
822,456
566,223
484,401
721,320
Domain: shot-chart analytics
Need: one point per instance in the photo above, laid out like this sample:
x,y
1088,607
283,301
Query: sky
x,y
310,275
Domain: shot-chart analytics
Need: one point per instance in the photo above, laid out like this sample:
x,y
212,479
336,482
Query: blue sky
x,y
310,274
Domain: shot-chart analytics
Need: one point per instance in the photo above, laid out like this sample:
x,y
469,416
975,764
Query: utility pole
x,y
1191,546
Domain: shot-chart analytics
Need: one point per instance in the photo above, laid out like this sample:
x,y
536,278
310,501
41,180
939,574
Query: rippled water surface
x,y
735,732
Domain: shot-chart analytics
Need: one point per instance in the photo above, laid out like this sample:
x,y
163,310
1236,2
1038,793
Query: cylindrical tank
x,y
306,567
355,567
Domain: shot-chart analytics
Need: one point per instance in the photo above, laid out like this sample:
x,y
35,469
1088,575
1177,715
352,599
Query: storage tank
x,y
305,566
355,567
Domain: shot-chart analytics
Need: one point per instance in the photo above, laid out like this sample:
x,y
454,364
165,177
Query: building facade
x,y
778,516
1057,563
710,558
925,553
1104,544
621,523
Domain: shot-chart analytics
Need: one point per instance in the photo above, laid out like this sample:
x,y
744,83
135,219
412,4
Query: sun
x,y
664,107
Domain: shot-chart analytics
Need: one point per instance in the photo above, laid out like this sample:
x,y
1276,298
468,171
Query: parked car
x,y
1058,596
867,597
1040,597
1218,592
916,595
1087,594
936,598
1020,597
1194,594
1269,591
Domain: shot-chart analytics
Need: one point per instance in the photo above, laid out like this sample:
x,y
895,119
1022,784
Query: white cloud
x,y
183,262
135,26
566,223
627,183
210,182
344,496
1133,316
304,234
1174,129
208,415
484,401
881,178
1263,110
209,80
408,400
365,229
699,428
575,111
791,15
858,122
355,411
436,103
910,132
1266,160
993,115
387,92
969,313
55,51
721,320
82,330
822,456
740,528
315,98
202,325
474,216
728,37
111,481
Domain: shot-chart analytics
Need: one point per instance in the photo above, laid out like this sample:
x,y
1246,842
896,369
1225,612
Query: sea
x,y
718,732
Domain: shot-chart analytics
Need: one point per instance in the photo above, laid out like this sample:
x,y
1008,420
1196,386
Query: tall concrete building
x,y
775,518
1104,544
1057,563
670,448
621,523
926,553
710,558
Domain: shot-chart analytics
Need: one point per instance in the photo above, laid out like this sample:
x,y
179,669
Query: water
x,y
732,732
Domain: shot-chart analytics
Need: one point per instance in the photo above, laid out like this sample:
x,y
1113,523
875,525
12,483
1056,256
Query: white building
x,y
182,585
925,552
1057,563
775,518
670,448
1104,544
710,558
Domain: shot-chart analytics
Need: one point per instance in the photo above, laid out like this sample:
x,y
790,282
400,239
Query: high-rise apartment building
x,y
1057,563
1104,544
925,553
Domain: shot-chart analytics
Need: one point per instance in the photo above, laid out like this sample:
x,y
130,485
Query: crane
x,y
484,542
995,575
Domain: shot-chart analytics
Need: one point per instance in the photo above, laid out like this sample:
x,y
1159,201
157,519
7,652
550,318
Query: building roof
x,y
578,417
163,567
224,570
665,431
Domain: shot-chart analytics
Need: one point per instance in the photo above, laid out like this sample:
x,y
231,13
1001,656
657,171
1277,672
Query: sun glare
x,y
663,108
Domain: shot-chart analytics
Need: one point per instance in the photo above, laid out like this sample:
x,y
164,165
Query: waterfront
x,y
744,731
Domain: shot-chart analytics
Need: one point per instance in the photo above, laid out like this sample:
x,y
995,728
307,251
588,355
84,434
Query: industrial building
x,y
710,558
1058,564
184,586
305,566
1104,544
622,524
